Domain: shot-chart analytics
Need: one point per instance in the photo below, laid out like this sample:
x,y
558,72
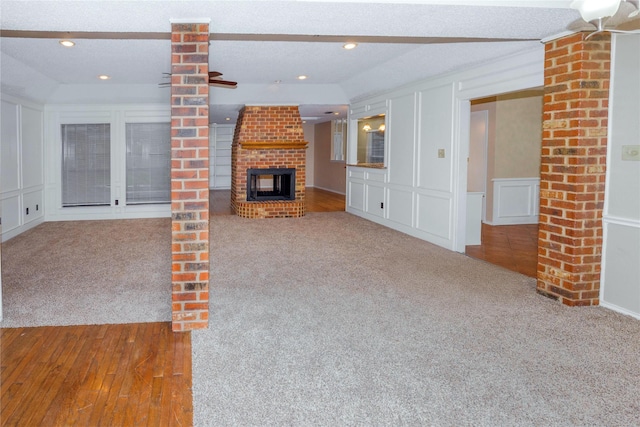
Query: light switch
x,y
441,153
631,152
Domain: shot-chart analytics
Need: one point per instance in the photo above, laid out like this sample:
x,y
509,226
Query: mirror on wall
x,y
371,132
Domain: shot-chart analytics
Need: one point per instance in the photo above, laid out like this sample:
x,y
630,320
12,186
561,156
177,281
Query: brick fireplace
x,y
268,159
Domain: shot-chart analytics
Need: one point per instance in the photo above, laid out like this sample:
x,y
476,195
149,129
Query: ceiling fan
x,y
214,80
615,16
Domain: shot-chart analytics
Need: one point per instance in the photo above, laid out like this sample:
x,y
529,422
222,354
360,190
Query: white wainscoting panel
x,y
356,195
375,200
32,208
434,215
620,277
515,201
11,213
401,206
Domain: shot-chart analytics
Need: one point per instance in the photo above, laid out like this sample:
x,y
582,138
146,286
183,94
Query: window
x,y
86,164
148,163
338,143
375,147
371,132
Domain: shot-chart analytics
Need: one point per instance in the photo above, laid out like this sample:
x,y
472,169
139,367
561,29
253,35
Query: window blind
x,y
148,163
86,164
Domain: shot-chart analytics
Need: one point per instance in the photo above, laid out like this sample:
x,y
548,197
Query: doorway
x,y
506,169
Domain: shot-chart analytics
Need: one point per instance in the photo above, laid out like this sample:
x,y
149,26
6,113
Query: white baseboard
x,y
619,309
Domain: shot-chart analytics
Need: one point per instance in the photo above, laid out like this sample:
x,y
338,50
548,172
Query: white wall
x,y
424,194
620,280
117,116
21,171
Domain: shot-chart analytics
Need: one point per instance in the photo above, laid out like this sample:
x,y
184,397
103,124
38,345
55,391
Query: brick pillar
x,y
190,175
572,175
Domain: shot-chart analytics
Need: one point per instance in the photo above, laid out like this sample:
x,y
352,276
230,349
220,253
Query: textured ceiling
x,y
260,42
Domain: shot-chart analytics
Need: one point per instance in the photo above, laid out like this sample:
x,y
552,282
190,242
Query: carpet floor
x,y
88,273
333,320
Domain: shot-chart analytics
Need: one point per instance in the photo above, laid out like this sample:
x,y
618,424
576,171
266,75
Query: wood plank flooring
x,y
514,247
111,375
317,201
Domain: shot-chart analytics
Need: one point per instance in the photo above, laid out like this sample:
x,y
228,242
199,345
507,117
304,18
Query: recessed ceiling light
x,y
228,118
337,113
349,46
302,77
104,77
67,43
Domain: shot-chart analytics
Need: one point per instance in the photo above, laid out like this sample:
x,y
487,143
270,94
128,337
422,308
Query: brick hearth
x,y
268,137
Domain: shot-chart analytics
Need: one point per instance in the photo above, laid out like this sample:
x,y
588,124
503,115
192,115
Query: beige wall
x,y
518,135
329,175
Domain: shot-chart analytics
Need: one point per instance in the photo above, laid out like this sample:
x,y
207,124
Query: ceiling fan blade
x,y
225,83
213,74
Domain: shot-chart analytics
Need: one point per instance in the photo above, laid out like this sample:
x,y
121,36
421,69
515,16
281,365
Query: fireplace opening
x,y
271,184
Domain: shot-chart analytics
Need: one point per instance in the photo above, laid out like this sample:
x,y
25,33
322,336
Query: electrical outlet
x,y
27,211
381,205
116,202
441,153
631,152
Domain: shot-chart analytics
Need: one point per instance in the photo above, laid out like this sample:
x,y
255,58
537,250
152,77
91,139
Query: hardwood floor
x,y
317,201
111,375
324,201
514,247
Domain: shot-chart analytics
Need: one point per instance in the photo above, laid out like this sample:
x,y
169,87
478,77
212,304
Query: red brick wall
x,y
190,176
268,137
572,176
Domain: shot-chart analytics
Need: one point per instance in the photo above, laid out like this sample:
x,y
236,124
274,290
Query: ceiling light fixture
x,y
67,43
599,12
104,77
302,77
349,46
596,10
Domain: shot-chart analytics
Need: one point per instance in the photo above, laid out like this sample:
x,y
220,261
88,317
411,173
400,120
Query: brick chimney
x,y
268,137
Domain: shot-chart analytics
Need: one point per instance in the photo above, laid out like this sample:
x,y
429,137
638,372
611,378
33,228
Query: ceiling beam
x,y
309,38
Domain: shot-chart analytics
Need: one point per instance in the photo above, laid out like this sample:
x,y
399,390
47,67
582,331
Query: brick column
x,y
190,175
572,175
